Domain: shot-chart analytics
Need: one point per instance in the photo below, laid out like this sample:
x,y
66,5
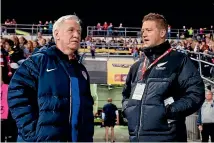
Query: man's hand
x,y
117,122
200,127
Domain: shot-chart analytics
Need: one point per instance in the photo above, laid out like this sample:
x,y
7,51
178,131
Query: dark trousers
x,y
9,130
208,130
93,54
3,130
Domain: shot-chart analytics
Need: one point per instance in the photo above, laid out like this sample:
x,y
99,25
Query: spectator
x,y
169,31
206,118
7,22
46,27
190,32
5,61
36,47
211,32
50,27
22,42
30,49
109,30
39,36
110,115
40,26
93,48
105,27
121,30
17,54
42,42
99,29
13,22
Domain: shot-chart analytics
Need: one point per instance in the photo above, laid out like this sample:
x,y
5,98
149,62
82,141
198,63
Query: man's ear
x,y
163,33
56,34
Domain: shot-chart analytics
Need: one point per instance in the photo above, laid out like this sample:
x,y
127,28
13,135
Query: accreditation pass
x,y
138,92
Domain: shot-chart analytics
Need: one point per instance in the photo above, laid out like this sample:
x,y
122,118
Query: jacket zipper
x,y
70,113
70,96
139,127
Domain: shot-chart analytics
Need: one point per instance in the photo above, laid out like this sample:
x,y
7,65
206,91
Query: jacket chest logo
x,y
161,66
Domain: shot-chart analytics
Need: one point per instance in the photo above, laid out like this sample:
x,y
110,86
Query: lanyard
x,y
144,69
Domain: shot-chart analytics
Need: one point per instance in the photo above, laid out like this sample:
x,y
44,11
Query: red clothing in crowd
x,y
105,26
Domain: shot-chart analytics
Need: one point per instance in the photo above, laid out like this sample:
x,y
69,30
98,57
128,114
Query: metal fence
x,y
126,32
135,32
198,57
123,51
25,29
193,134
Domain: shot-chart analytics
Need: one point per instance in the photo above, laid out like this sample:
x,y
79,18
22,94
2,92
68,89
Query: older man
x,y
49,96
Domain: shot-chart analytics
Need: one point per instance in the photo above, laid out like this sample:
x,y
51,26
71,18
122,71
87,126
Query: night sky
x,y
177,12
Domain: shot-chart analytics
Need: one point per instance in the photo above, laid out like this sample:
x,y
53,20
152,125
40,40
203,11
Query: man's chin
x,y
73,48
147,46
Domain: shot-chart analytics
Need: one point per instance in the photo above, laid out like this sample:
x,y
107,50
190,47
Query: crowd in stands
x,y
45,28
133,46
15,50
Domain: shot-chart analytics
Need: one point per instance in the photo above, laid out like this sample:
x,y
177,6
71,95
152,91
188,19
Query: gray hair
x,y
60,21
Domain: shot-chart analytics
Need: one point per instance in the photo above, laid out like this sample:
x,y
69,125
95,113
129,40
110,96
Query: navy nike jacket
x,y
49,97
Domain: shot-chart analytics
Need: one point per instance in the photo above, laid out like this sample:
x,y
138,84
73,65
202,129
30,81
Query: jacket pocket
x,y
154,118
132,115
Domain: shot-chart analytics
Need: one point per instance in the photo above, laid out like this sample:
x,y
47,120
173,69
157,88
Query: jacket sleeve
x,y
127,89
199,122
193,91
22,99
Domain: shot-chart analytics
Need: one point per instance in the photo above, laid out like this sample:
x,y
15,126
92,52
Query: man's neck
x,y
210,100
161,41
72,56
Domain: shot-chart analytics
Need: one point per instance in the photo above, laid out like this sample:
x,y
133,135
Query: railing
x,y
126,32
107,50
201,63
193,134
27,29
135,32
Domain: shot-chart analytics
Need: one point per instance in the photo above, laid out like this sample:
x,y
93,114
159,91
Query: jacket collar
x,y
62,56
154,52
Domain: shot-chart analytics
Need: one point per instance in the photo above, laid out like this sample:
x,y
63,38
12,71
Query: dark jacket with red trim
x,y
172,76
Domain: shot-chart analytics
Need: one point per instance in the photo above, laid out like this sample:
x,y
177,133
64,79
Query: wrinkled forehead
x,y
71,23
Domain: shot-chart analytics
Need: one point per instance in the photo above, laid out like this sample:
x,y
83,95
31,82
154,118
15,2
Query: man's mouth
x,y
74,41
146,40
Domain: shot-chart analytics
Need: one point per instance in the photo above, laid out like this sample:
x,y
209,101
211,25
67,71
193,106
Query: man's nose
x,y
76,34
144,34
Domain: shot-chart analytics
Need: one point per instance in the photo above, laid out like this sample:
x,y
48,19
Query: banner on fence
x,y
118,70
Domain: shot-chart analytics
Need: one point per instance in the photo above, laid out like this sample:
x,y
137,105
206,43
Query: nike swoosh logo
x,y
161,64
48,70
